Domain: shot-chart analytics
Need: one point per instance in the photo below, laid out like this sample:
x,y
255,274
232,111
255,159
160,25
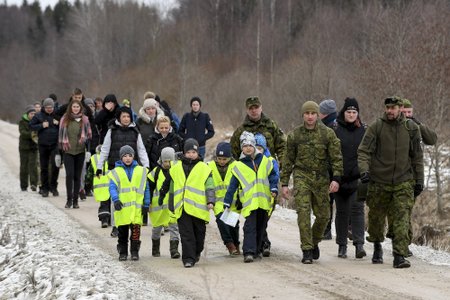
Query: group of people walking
x,y
146,169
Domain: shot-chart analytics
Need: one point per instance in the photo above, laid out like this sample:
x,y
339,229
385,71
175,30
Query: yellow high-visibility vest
x,y
190,193
221,186
255,186
131,194
100,185
160,215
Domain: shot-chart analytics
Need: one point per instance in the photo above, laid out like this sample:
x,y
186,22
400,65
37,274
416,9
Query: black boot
x,y
307,257
174,249
359,251
123,251
377,257
75,203
316,252
68,203
400,262
155,248
342,252
409,253
266,249
134,249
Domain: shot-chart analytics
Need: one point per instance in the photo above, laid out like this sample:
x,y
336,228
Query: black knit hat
x,y
190,144
124,109
223,149
350,104
110,98
196,98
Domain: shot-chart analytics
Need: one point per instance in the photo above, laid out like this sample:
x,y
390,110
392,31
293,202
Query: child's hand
x,y
210,206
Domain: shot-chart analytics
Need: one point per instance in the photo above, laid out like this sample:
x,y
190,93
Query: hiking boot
x,y
231,248
123,252
342,251
316,252
104,224
400,262
40,190
68,203
266,250
307,257
23,189
359,251
114,232
248,258
44,194
377,257
409,253
123,256
174,249
75,203
55,193
134,249
188,264
33,188
155,248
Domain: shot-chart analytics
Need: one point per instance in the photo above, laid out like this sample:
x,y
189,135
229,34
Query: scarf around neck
x,y
84,134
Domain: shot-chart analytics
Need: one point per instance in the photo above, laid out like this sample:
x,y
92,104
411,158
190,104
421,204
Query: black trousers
x,y
227,233
192,234
124,233
47,156
74,166
254,228
348,208
104,211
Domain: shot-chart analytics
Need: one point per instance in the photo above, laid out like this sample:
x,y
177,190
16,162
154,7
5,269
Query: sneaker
x,y
248,258
188,264
104,224
33,188
114,232
55,193
316,252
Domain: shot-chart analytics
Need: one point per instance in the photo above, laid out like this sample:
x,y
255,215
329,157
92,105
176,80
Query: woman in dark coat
x,y
108,113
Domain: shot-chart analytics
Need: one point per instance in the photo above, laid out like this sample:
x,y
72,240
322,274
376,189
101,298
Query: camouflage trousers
x,y
307,198
394,202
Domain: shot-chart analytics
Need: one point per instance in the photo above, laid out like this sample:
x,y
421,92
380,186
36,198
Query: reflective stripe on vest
x,y
221,186
159,215
255,186
189,193
131,194
100,185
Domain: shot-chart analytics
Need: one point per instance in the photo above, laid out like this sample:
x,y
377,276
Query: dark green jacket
x,y
276,140
25,141
391,151
309,153
429,137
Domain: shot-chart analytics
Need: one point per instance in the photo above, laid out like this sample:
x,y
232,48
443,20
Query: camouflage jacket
x,y
391,151
309,153
276,140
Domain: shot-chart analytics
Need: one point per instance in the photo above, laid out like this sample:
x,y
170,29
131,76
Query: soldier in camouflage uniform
x,y
257,122
390,158
311,148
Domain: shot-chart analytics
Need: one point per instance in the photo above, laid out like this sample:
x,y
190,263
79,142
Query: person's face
x,y
260,149
31,115
151,111
125,119
77,97
310,118
254,112
195,106
164,128
76,108
392,112
48,109
222,161
350,116
191,154
407,111
127,159
248,150
166,164
37,107
98,105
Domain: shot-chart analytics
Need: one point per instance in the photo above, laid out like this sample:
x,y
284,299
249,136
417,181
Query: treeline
x,y
285,51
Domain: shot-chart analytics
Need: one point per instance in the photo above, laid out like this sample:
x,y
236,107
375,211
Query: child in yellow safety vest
x,y
193,190
221,172
131,197
255,176
100,185
159,212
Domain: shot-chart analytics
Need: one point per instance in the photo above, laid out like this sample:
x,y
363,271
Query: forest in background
x,y
284,51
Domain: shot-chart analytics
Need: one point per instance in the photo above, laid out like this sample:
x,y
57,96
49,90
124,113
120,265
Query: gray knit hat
x,y
190,144
48,102
29,108
327,107
89,101
247,138
126,150
167,153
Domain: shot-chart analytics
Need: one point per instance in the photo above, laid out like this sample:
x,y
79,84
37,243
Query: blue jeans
x,y
202,151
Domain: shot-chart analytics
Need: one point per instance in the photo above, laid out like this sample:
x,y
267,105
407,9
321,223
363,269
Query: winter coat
x,y
46,136
391,151
25,140
145,125
192,126
276,140
350,136
156,143
103,120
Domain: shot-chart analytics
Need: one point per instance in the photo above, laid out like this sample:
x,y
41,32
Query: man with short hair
x,y
390,159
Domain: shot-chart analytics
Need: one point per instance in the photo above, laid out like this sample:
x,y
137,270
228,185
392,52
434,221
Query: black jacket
x,y
156,143
104,119
46,136
194,127
121,136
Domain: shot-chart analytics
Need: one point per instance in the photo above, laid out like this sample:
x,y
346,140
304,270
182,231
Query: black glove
x,y
118,205
418,188
162,195
160,201
365,177
144,211
98,173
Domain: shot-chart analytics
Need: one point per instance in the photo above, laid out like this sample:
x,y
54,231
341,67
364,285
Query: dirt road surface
x,y
281,276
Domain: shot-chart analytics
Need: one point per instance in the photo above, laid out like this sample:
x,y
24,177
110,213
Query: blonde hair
x,y
162,119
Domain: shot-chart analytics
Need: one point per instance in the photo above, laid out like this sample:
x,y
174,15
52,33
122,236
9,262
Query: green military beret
x,y
406,103
252,101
